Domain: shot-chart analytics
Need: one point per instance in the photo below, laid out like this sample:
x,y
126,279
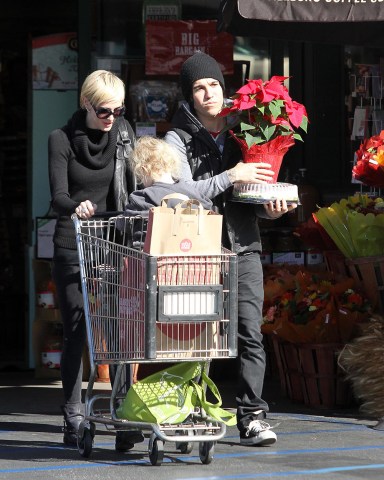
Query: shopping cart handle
x,y
107,214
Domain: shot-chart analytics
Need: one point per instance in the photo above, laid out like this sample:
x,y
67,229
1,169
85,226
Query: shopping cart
x,y
141,308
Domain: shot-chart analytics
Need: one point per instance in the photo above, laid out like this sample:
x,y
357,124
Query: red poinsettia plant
x,y
264,111
369,167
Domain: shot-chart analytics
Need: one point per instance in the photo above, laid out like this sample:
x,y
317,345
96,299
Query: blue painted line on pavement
x,y
312,418
319,432
264,452
189,459
319,471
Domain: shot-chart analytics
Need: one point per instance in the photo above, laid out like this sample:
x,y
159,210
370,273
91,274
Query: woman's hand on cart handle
x,y
86,209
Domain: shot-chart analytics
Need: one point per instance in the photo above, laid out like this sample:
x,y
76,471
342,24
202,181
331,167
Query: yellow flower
x,y
379,157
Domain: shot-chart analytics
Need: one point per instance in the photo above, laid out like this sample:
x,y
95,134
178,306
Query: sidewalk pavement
x,y
312,443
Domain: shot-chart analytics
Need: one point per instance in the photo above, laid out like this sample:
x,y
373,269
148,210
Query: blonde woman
x,y
88,167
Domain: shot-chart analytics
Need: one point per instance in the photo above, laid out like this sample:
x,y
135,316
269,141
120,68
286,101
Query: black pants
x,y
68,286
66,274
250,346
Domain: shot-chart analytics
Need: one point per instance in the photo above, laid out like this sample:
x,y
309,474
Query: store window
x,y
256,51
364,75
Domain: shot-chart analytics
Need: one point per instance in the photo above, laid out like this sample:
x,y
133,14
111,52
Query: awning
x,y
349,22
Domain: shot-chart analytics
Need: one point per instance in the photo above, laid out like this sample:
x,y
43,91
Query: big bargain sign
x,y
170,43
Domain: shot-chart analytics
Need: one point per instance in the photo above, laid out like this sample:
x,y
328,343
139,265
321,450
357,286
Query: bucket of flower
x,y
356,223
309,317
313,236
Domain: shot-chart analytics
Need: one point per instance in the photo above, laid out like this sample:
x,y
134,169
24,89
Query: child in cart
x,y
157,165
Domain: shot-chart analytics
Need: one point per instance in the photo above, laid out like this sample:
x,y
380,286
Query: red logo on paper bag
x,y
185,245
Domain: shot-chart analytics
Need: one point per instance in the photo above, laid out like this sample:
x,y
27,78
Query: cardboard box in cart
x,y
187,338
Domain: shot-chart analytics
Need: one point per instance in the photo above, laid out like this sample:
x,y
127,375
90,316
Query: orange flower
x,y
370,162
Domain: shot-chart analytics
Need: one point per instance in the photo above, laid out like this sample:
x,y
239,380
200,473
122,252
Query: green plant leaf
x,y
252,140
304,124
261,109
275,110
244,127
268,131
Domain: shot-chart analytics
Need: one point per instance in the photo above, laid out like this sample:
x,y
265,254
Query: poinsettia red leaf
x,y
278,78
296,111
285,95
273,90
236,103
280,121
246,103
250,88
224,112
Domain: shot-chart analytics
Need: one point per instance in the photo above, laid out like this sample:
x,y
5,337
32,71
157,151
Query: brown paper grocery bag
x,y
187,229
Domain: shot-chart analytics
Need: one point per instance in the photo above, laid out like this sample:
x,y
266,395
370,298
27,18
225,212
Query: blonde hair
x,y
152,157
101,87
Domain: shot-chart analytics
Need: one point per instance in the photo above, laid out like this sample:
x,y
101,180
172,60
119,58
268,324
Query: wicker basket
x,y
368,273
309,374
287,360
323,380
335,262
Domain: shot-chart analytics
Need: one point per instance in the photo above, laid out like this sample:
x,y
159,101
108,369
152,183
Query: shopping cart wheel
x,y
85,437
184,447
206,451
155,450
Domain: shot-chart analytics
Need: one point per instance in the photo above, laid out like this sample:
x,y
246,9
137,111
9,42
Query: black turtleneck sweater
x,y
81,167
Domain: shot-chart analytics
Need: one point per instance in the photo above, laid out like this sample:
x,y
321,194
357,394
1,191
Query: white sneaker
x,y
257,433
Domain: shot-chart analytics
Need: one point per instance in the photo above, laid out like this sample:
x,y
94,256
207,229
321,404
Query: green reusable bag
x,y
213,410
171,395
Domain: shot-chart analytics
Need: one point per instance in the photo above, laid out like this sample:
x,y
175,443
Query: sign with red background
x,y
170,43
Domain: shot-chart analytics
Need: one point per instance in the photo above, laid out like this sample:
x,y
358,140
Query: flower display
x,y
311,307
355,224
369,167
265,112
313,235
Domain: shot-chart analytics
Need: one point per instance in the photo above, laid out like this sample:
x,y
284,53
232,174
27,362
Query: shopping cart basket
x,y
141,308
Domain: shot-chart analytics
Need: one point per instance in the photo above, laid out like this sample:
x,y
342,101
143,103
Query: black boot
x,y
73,416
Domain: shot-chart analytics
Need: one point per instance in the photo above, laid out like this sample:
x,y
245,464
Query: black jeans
x,y
68,286
250,346
66,274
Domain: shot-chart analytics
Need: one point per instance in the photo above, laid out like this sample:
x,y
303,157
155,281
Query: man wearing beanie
x,y
213,161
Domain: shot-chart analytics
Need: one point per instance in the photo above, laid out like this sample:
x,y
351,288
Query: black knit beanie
x,y
200,65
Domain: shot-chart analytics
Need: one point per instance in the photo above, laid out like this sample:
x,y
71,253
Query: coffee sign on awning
x,y
312,11
170,43
346,22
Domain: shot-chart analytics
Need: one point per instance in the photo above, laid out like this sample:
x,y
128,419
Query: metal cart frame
x,y
141,308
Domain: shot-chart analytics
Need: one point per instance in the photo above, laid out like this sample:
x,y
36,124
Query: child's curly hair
x,y
152,157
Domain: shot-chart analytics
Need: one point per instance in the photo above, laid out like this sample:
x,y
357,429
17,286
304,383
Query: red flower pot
x,y
271,152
